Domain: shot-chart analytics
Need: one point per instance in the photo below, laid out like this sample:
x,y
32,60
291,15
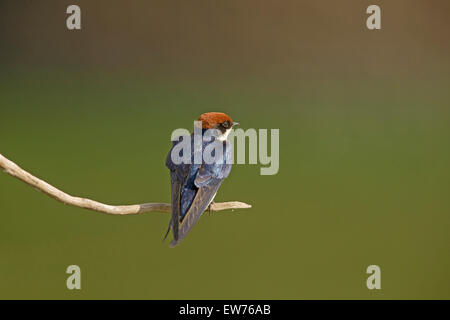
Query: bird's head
x,y
219,121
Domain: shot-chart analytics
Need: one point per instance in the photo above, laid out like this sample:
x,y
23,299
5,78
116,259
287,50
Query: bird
x,y
195,184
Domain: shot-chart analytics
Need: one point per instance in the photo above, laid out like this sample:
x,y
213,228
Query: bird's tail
x,y
167,232
173,243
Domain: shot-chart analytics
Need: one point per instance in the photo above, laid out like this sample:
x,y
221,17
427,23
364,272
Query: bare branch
x,y
14,170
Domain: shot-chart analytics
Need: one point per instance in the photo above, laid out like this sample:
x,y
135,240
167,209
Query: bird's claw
x,y
210,207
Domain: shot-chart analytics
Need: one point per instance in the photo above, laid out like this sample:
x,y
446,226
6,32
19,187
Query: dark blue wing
x,y
193,188
178,176
221,170
201,201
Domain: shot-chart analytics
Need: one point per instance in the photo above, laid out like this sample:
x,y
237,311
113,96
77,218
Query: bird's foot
x,y
210,207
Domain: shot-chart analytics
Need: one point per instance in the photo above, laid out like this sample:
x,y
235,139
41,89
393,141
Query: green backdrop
x,y
364,147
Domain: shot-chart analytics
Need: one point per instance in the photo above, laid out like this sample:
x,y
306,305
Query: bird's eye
x,y
226,124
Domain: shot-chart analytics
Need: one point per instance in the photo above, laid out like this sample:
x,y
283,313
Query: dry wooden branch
x,y
14,170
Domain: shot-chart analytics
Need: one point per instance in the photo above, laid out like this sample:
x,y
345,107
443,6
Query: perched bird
x,y
194,185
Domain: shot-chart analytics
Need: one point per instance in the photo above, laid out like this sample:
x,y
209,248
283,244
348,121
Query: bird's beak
x,y
235,124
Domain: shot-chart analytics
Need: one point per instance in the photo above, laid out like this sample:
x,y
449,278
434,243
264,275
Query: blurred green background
x,y
364,147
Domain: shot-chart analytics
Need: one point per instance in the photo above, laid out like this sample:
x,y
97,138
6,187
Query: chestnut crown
x,y
216,120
